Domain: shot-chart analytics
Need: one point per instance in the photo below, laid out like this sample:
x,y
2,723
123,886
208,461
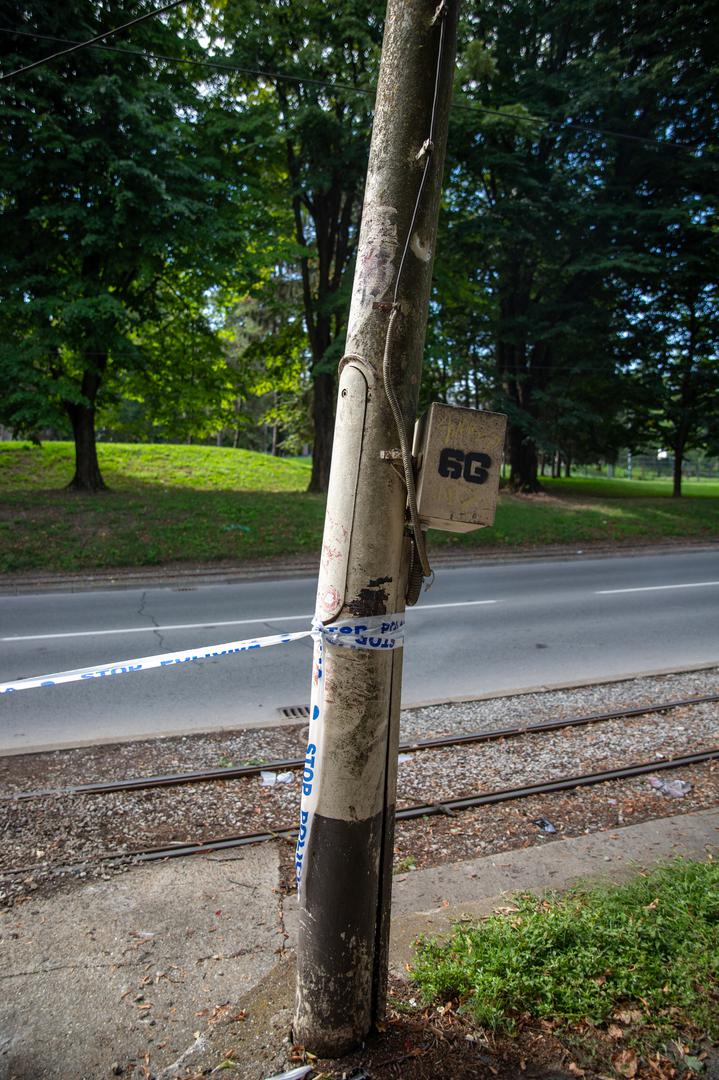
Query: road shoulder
x,y
175,575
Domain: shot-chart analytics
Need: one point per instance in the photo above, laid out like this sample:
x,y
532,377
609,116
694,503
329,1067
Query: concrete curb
x,y
300,566
432,901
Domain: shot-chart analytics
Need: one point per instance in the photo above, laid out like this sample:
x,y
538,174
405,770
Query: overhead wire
x,y
216,65
76,46
310,80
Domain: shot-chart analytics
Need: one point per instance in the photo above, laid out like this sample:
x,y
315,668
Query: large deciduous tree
x,y
310,119
671,352
110,193
566,214
666,213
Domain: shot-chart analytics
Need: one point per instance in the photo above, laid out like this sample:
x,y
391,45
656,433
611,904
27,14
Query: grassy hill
x,y
204,503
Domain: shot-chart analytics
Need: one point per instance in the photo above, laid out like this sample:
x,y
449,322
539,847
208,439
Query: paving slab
x,y
128,969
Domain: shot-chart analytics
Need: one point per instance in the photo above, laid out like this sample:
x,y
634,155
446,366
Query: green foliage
x,y
177,243
554,238
312,137
179,386
652,945
116,215
265,348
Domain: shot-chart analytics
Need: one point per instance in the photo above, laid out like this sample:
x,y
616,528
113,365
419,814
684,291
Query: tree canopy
x,y
590,156
179,215
117,215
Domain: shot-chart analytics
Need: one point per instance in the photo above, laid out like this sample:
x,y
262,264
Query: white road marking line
x,y
657,588
210,625
458,603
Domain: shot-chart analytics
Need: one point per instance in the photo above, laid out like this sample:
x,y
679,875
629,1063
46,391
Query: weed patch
x,y
644,955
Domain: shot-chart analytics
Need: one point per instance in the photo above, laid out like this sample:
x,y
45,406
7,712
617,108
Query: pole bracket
x,y
395,459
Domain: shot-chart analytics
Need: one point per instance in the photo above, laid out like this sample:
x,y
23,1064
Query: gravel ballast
x,y
57,839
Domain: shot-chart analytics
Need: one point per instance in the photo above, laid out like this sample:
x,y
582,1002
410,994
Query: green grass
x,y
651,946
204,504
165,504
604,487
588,510
24,467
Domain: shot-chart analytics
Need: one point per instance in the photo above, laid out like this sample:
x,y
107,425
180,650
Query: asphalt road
x,y
480,629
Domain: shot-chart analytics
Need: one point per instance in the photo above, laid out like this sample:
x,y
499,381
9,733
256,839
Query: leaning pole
x,y
370,548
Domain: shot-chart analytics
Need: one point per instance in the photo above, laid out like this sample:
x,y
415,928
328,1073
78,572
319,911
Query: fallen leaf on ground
x,y
629,1016
626,1063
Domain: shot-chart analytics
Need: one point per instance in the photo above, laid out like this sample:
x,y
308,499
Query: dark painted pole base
x,y
336,998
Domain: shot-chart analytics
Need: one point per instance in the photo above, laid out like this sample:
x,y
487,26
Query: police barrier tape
x,y
385,632
382,632
391,635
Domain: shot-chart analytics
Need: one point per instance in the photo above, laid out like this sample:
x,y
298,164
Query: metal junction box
x,y
458,453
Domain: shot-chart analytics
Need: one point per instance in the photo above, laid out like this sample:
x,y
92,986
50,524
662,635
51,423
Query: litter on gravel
x,y
675,789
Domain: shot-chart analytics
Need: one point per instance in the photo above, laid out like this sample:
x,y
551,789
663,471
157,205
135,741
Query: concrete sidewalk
x,y
155,966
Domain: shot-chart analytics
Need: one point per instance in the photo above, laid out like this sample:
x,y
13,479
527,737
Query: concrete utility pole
x,y
345,891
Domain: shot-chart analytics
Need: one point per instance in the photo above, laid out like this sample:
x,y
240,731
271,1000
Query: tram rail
x,y
199,776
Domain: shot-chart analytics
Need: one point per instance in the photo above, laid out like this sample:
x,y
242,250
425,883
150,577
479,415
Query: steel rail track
x,y
421,810
106,787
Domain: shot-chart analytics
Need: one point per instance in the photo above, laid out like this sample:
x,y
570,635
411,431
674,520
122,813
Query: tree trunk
x,y
323,418
523,463
677,478
82,417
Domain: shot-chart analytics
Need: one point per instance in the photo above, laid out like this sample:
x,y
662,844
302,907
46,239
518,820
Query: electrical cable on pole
x,y
419,566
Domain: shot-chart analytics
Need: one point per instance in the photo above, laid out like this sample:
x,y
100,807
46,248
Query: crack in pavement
x,y
114,966
224,956
142,613
283,932
198,1046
